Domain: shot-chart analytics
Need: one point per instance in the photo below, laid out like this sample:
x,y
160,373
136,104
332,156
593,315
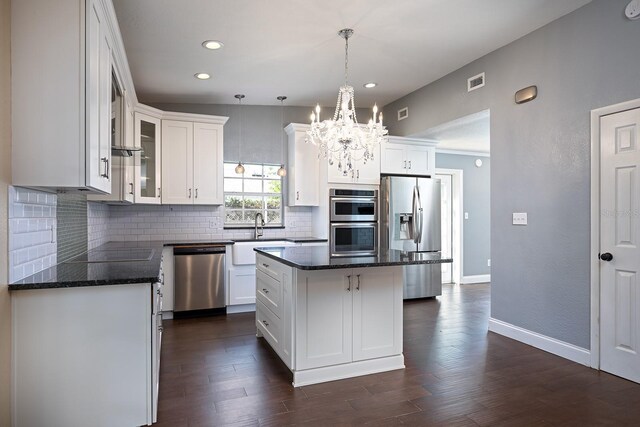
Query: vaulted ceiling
x,y
291,47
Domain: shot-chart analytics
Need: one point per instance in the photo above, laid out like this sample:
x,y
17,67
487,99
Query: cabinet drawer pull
x,y
349,287
358,285
265,290
265,323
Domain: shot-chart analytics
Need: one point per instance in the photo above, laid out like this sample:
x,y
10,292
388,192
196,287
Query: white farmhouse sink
x,y
242,253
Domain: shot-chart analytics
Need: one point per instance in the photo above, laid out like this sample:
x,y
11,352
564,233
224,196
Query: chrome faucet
x,y
259,231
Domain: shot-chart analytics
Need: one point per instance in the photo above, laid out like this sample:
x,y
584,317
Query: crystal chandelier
x,y
342,140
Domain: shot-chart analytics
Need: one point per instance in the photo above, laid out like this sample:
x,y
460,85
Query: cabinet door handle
x,y
265,290
358,174
159,192
265,323
297,195
405,164
189,193
265,265
409,164
196,193
349,287
131,184
106,167
358,285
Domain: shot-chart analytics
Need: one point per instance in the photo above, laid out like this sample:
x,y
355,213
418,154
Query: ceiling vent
x,y
403,113
475,82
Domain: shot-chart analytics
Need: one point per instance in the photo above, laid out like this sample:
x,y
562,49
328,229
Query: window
x,y
259,189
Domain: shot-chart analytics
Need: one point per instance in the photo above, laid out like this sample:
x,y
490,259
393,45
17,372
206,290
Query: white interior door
x,y
446,222
619,234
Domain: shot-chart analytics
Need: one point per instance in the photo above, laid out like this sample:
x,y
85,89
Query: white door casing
x,y
619,234
457,223
446,224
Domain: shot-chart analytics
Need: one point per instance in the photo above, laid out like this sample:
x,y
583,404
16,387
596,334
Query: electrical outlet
x,y
213,223
489,262
519,218
466,215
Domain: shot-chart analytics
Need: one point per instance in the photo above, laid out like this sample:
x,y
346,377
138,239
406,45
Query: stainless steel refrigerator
x,y
410,221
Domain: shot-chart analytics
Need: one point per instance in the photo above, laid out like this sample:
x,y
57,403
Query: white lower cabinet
x,y
242,285
77,361
331,324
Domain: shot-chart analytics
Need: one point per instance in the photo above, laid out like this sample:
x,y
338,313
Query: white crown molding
x,y
412,141
463,152
172,115
296,127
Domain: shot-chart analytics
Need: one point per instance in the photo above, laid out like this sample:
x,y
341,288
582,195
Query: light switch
x,y
519,218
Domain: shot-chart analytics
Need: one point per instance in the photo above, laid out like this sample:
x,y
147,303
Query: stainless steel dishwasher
x,y
199,280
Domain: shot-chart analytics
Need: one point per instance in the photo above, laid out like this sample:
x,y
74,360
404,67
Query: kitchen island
x,y
333,318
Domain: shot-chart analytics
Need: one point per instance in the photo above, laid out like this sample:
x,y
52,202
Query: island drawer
x,y
269,325
269,292
270,267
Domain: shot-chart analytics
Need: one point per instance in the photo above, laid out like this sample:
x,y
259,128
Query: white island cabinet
x,y
330,323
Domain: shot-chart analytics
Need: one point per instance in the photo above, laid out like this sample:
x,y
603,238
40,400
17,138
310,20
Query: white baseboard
x,y
347,370
480,278
543,342
242,308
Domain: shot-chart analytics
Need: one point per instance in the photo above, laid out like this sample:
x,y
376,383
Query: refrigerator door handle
x,y
420,216
414,215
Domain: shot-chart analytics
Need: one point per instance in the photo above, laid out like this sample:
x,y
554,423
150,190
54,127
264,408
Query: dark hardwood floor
x,y
215,372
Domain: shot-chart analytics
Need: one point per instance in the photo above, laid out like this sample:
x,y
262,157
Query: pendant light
x,y
282,171
240,167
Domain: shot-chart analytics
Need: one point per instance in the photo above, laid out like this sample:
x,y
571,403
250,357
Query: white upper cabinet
x,y
147,160
177,162
303,169
192,165
362,173
207,164
408,156
122,135
61,120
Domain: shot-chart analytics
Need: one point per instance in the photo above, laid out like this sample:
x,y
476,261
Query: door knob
x,y
606,256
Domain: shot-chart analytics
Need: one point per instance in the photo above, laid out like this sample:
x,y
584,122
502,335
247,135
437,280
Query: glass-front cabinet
x,y
147,170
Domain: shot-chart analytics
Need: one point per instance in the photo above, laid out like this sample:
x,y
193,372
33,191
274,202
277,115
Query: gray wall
x,y
540,155
476,194
261,127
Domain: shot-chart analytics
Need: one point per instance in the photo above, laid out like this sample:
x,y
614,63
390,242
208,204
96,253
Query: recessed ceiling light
x,y
370,85
202,76
212,44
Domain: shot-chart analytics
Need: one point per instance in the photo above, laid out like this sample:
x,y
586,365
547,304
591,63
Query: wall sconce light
x,y
527,94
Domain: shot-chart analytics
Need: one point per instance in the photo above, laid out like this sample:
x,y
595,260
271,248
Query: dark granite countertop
x,y
119,263
317,258
115,263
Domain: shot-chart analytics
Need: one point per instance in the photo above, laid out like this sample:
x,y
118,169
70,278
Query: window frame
x,y
245,194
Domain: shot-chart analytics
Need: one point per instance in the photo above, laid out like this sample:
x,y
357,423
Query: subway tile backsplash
x,y
32,232
141,223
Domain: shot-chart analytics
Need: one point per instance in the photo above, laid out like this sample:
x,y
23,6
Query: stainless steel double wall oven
x,y
354,222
